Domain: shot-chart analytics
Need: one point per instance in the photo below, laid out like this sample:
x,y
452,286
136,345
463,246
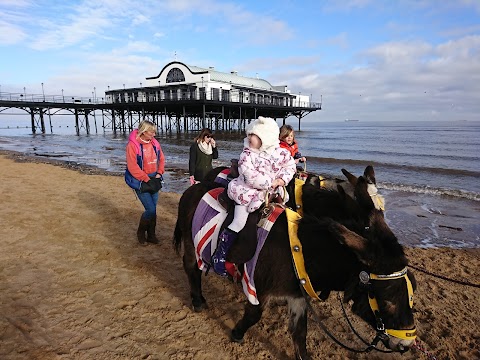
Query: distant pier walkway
x,y
191,112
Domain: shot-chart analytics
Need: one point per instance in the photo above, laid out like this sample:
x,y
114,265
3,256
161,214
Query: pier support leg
x,y
42,121
77,127
32,117
87,123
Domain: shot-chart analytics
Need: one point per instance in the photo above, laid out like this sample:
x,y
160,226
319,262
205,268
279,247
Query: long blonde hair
x,y
285,130
145,126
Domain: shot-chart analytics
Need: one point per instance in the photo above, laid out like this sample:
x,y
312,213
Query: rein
x,y
373,345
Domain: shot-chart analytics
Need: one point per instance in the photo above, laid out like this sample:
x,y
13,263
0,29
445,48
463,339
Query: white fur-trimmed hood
x,y
267,130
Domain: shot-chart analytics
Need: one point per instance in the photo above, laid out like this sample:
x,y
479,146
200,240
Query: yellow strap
x,y
296,248
298,195
403,334
373,303
322,181
410,291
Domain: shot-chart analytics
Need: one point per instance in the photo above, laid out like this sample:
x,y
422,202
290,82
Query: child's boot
x,y
225,241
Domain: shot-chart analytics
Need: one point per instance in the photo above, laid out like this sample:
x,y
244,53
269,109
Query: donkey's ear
x,y
362,195
358,244
352,179
369,174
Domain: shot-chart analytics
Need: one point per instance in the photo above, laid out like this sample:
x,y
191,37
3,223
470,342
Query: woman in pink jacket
x,y
145,160
263,166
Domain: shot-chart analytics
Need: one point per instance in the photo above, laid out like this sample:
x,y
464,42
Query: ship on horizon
x,y
352,120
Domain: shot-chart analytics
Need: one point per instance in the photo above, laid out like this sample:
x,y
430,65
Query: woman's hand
x,y
212,141
192,180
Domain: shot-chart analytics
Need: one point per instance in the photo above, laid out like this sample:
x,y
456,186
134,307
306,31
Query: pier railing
x,y
61,99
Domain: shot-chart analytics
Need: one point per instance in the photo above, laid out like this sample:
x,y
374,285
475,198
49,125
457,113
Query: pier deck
x,y
170,115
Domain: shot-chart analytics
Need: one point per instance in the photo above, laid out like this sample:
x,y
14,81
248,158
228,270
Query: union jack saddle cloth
x,y
207,222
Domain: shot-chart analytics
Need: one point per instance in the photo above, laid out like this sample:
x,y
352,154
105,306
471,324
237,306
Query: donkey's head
x,y
382,291
379,285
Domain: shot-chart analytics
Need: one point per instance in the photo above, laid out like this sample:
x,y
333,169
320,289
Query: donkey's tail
x,y
177,238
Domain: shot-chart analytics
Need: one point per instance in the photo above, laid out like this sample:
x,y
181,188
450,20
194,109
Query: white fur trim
x,y
267,130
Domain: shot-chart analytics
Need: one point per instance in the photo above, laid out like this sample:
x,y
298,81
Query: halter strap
x,y
401,334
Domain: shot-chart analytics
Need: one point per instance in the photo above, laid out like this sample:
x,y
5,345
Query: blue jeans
x,y
149,202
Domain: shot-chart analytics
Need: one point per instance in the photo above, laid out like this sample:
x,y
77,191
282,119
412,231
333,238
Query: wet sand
x,y
75,284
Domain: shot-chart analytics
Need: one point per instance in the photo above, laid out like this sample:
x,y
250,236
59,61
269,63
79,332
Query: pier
x,y
181,98
91,115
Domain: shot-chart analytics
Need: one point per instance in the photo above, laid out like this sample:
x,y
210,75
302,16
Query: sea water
x,y
428,171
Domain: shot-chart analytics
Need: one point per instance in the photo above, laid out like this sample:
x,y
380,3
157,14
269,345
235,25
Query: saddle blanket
x,y
207,221
222,177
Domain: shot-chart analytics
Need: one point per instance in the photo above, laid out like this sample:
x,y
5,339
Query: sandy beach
x,y
75,284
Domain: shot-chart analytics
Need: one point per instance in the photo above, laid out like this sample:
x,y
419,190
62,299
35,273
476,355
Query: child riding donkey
x,y
263,166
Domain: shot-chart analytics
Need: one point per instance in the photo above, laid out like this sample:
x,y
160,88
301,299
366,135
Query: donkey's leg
x,y
194,277
252,314
298,326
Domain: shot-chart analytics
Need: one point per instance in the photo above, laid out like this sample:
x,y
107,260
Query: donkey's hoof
x,y
235,337
199,306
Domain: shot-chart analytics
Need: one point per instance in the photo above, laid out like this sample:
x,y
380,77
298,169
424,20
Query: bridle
x,y
308,291
365,280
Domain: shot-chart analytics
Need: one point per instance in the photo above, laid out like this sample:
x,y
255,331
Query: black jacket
x,y
199,163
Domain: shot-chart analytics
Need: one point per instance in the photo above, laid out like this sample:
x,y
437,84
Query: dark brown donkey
x,y
346,238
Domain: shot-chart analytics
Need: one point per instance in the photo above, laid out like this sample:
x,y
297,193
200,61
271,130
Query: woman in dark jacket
x,y
202,152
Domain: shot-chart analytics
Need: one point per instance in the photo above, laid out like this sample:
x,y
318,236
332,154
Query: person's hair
x,y
203,133
285,130
145,126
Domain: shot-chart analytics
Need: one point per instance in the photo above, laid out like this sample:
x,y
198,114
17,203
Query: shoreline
x,y
76,284
72,165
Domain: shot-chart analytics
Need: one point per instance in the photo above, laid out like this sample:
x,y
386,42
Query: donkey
x,y
350,240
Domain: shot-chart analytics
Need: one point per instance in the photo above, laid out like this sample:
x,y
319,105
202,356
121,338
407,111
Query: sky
x,y
372,60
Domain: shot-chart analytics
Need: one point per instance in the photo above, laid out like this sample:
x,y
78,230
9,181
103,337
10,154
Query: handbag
x,y
152,186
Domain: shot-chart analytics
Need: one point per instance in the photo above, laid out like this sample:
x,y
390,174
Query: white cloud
x,y
398,52
140,19
10,34
399,81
